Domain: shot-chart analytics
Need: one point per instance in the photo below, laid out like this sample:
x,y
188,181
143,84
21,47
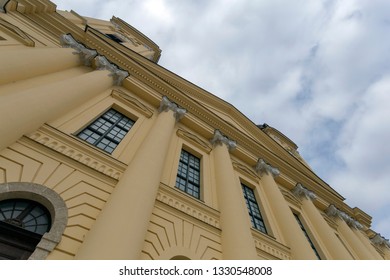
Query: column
x,y
26,63
120,229
24,112
383,244
20,64
237,240
344,223
364,239
332,244
292,233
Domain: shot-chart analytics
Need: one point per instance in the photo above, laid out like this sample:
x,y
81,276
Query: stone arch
x,y
179,253
48,198
180,257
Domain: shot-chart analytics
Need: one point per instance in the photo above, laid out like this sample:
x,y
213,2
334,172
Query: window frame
x,y
186,178
245,189
102,135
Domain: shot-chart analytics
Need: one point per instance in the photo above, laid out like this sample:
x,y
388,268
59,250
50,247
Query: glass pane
x,y
188,174
112,126
25,214
253,209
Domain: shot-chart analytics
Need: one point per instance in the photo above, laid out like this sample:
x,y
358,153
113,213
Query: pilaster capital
x,y
264,168
333,211
167,105
220,139
380,241
86,55
300,190
102,63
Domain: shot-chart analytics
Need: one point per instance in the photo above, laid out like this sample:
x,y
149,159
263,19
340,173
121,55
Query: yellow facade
x,y
60,73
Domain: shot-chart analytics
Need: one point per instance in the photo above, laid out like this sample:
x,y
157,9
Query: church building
x,y
104,154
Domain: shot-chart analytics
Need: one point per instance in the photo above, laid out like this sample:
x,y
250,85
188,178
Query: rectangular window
x,y
307,235
188,174
253,209
107,131
114,37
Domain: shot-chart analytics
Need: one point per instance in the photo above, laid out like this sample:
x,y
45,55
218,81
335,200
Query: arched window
x,y
32,220
22,224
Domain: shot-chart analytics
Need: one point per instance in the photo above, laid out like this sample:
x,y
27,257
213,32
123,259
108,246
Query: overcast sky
x,y
318,71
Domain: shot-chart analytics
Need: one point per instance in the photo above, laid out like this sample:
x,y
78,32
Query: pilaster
x,y
329,239
291,232
91,58
125,217
237,240
21,64
47,102
346,227
383,244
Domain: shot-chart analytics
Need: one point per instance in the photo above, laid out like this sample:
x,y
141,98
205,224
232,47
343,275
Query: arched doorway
x,y
22,225
32,222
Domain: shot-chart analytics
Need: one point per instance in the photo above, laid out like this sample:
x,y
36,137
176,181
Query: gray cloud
x,y
316,70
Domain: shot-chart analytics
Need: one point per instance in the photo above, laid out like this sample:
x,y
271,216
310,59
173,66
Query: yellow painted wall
x,y
87,179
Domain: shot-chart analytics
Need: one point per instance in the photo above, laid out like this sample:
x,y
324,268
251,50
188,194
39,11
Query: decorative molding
x,y
71,147
31,7
121,34
16,32
91,58
86,55
188,205
130,34
270,246
288,196
195,140
331,222
294,153
264,168
52,201
220,139
102,63
167,105
247,171
380,241
333,211
133,102
300,191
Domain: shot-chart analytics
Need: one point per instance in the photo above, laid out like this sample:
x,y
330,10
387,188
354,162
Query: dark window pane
x,y
188,174
107,131
253,209
25,214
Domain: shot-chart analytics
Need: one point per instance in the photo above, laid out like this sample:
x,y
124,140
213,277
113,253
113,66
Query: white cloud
x,y
365,150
